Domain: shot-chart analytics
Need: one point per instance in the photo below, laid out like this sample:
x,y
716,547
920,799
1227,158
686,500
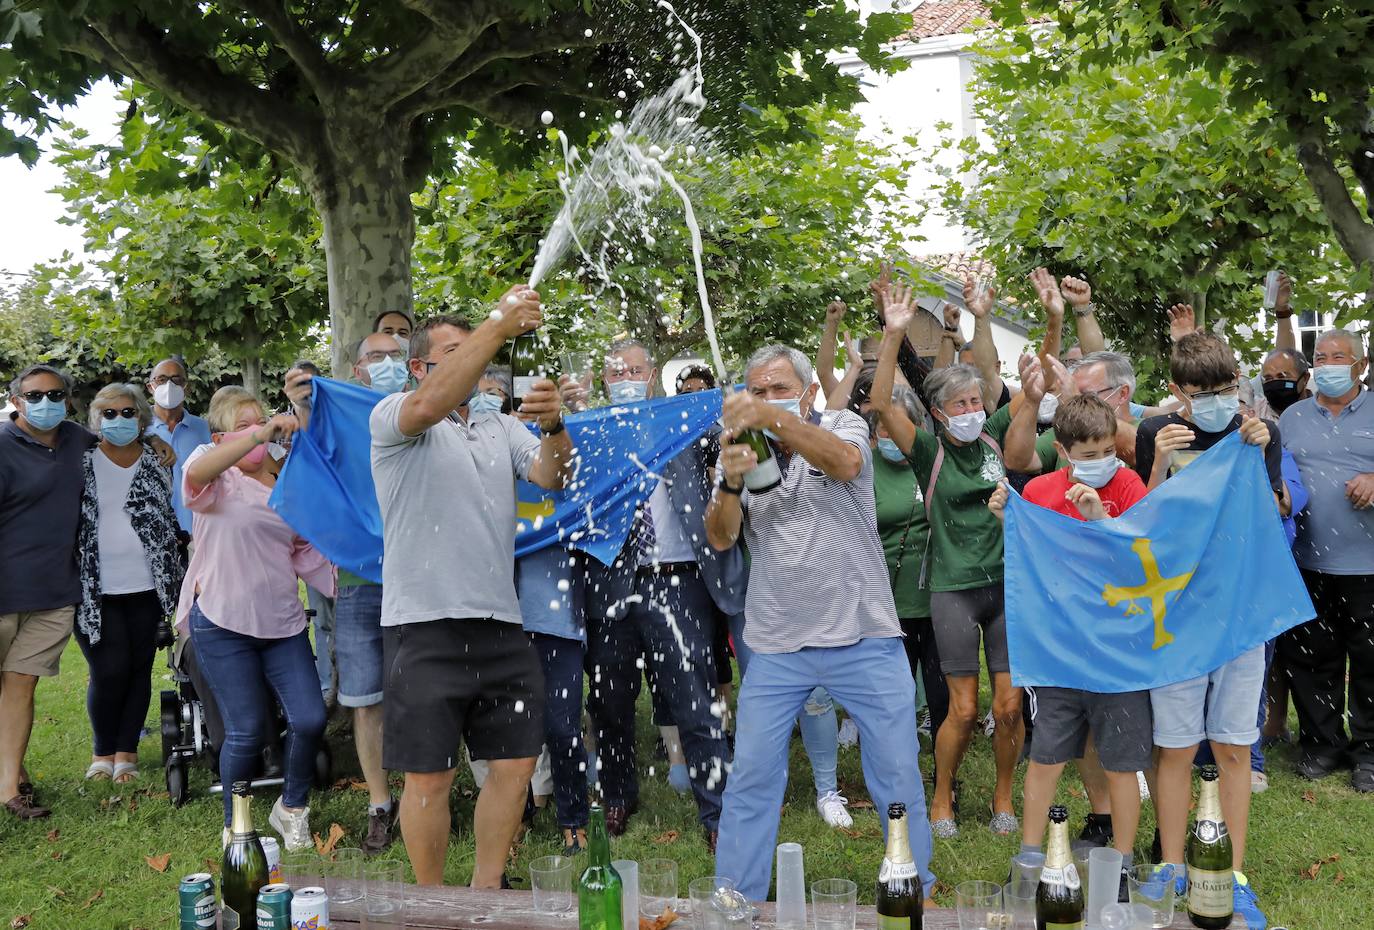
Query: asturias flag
x,y
1186,580
326,494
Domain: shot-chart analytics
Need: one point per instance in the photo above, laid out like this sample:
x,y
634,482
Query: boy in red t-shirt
x,y
1095,486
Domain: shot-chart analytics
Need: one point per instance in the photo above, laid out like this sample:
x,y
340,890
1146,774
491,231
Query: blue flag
x,y
1186,580
326,494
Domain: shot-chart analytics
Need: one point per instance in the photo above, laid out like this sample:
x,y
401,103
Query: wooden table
x,y
451,908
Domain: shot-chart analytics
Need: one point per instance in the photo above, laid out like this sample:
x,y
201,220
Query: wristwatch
x,y
722,485
1084,310
554,430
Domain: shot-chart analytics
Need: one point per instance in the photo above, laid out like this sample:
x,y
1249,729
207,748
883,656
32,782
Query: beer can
x,y
274,907
196,896
310,909
272,850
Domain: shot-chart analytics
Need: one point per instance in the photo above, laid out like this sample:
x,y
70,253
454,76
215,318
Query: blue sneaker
x,y
1247,905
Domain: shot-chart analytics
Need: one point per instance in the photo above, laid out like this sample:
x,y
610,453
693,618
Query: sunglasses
x,y
128,413
54,395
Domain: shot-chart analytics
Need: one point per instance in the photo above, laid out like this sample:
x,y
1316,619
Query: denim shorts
x,y
1220,706
358,644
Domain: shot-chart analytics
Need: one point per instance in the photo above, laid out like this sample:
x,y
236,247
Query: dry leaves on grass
x,y
861,804
20,922
356,784
53,835
669,836
1309,796
660,922
326,847
158,863
93,898
1312,870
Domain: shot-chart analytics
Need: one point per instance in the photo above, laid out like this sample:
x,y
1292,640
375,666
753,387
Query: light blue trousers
x,y
873,681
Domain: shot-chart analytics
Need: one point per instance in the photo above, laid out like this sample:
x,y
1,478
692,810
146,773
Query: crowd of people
x,y
869,579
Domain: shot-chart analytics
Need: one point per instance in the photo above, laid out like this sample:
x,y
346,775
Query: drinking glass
x,y
702,893
834,902
579,367
657,887
980,905
344,876
551,881
1026,867
1153,886
1018,903
1080,864
384,895
302,869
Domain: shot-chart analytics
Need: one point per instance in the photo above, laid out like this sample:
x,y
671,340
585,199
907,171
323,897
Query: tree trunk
x,y
250,370
369,228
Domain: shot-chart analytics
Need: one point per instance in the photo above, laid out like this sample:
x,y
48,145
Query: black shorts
x,y
961,619
1121,725
449,681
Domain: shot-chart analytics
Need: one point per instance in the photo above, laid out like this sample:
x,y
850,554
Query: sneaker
x,y
989,725
679,778
1246,904
1315,768
293,827
923,723
849,733
1259,782
1097,830
832,808
1362,779
381,829
1144,786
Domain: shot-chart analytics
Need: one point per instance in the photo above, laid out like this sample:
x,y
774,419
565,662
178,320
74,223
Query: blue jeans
x,y
357,641
873,681
237,667
562,662
820,729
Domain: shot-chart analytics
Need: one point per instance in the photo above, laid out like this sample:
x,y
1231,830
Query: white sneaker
x,y
849,733
989,725
224,840
831,806
1144,786
294,828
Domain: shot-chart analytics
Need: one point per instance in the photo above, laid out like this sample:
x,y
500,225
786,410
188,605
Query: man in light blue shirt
x,y
178,427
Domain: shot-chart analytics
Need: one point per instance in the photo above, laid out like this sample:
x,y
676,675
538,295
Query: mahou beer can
x,y
274,907
196,895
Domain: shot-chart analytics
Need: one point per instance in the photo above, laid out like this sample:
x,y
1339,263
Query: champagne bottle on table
x,y
900,898
1059,899
766,475
1210,880
244,869
528,364
599,889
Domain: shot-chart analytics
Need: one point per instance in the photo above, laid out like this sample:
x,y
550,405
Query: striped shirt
x,y
817,575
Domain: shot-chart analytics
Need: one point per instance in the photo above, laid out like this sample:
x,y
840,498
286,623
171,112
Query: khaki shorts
x,y
31,643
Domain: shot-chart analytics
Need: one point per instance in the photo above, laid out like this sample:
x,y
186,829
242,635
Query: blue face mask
x,y
388,376
1096,473
627,392
791,405
45,414
1213,414
1333,380
485,402
120,431
889,450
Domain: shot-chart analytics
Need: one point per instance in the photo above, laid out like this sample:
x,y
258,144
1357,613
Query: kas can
x,y
274,907
272,850
310,910
196,896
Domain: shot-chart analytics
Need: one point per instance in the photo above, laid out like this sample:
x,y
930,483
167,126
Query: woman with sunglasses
x,y
130,575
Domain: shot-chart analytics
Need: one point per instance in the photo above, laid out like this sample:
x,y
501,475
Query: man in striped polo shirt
x,y
819,611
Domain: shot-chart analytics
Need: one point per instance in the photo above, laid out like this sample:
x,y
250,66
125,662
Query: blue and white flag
x,y
326,494
1189,578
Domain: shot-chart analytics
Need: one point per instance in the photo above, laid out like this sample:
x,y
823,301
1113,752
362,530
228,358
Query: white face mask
x,y
967,426
169,396
1048,405
1096,473
627,392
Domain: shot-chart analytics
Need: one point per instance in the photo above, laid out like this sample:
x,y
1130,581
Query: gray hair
x,y
501,375
1352,339
358,349
1300,363
943,383
906,398
112,392
769,354
17,384
621,346
1116,368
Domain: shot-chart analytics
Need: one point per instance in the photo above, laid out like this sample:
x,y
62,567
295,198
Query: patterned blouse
x,y
149,506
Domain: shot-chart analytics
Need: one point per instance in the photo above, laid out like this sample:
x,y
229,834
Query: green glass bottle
x,y
900,898
599,890
1059,899
1211,900
528,364
766,475
244,871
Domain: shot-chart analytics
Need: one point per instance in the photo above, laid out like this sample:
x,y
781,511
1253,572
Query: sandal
x,y
123,769
100,771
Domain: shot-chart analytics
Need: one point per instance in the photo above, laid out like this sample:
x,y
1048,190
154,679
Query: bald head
x,y
375,348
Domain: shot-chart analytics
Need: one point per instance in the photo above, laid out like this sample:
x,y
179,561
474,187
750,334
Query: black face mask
x,y
1281,394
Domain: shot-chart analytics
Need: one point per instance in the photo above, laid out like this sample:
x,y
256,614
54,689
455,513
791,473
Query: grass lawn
x,y
86,866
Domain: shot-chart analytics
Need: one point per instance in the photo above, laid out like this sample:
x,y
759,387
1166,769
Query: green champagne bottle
x,y
244,870
527,364
1210,880
599,890
1059,899
766,475
900,897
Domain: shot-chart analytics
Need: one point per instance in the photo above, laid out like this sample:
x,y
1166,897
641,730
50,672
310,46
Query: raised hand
x,y
834,312
979,301
1285,294
1058,378
1032,379
952,316
878,286
518,311
1048,292
899,309
1076,291
1182,321
298,387
543,404
574,392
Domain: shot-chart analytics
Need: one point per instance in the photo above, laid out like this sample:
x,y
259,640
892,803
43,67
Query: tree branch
x,y
403,71
1355,235
517,109
295,41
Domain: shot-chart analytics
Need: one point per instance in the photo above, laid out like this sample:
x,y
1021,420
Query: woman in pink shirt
x,y
241,603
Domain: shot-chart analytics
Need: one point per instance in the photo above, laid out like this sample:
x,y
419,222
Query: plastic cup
x,y
302,869
791,913
657,887
384,895
1080,863
1153,886
551,882
1018,904
979,904
344,876
834,902
1271,289
1104,882
1026,867
628,870
702,892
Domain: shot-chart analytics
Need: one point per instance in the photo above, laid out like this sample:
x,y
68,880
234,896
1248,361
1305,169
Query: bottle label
x,y
523,384
893,923
1210,894
1209,831
1051,925
896,870
764,474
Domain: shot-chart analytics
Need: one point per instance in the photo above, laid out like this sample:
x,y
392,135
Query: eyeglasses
x,y
128,413
1231,391
373,358
1103,392
54,395
178,380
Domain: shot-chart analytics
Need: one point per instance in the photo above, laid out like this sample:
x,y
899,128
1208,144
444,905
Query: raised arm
x,y
1018,447
984,349
897,318
825,356
821,448
1079,296
951,337
202,472
1286,337
1047,289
